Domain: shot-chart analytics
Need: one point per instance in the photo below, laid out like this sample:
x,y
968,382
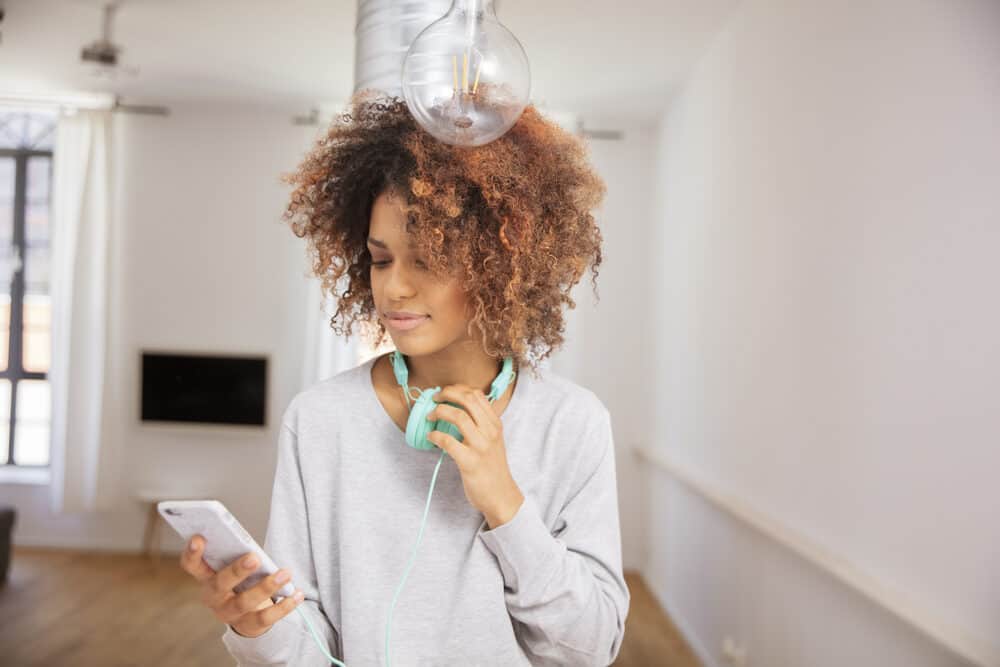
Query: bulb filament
x,y
465,73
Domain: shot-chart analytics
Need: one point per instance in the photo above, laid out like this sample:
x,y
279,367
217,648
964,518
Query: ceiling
x,y
610,59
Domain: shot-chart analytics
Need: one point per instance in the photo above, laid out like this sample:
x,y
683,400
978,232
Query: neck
x,y
454,365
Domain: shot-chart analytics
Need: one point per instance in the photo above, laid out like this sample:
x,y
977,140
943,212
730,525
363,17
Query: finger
x,y
220,587
192,561
470,432
461,454
489,409
482,412
279,610
466,397
257,622
254,598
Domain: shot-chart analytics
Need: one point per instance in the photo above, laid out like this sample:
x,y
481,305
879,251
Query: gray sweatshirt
x,y
545,588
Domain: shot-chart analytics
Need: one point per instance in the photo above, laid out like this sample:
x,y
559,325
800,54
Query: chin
x,y
411,349
417,348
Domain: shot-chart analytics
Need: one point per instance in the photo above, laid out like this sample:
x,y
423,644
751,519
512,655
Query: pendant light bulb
x,y
465,77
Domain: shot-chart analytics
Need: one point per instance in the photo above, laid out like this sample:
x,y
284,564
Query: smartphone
x,y
225,539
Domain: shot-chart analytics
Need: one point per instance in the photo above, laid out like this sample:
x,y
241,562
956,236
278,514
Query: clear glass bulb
x,y
465,77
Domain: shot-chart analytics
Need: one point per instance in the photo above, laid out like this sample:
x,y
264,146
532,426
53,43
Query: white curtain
x,y
83,469
326,353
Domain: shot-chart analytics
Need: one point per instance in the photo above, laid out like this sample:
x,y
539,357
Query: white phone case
x,y
225,539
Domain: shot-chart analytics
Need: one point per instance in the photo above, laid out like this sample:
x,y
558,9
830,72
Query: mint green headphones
x,y
417,425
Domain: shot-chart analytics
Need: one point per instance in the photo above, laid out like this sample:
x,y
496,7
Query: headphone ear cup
x,y
417,424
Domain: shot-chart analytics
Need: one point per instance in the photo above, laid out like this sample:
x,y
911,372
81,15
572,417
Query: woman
x,y
465,257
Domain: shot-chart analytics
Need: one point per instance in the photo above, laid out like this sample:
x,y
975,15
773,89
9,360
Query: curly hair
x,y
510,219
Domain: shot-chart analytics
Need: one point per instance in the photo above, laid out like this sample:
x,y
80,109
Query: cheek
x,y
376,283
451,306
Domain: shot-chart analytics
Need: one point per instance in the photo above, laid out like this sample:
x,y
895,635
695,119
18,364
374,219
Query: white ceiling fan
x,y
102,55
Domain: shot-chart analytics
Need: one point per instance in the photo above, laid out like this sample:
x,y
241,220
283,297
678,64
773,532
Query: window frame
x,y
15,371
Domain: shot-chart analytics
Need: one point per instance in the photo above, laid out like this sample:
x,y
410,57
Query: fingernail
x,y
192,546
299,596
282,577
249,562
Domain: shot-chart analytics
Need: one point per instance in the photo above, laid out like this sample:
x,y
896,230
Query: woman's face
x,y
402,282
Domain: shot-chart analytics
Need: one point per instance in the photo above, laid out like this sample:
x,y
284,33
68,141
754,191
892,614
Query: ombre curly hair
x,y
510,219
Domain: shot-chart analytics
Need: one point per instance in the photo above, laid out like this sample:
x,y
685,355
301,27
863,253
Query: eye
x,y
382,264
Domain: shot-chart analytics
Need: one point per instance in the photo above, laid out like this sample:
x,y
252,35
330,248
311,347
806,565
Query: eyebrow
x,y
381,244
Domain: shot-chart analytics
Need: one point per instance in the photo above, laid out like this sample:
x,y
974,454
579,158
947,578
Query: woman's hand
x,y
481,456
250,613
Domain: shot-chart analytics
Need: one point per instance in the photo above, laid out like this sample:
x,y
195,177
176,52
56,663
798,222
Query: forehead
x,y
388,223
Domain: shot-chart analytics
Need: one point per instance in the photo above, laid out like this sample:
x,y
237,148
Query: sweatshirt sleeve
x,y
565,588
288,642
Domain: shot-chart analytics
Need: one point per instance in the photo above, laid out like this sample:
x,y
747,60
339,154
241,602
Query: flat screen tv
x,y
203,389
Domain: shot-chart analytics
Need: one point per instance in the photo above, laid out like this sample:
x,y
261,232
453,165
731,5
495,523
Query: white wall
x,y
823,282
206,266
607,337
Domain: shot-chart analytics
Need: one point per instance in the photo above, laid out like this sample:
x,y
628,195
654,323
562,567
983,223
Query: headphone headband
x,y
497,387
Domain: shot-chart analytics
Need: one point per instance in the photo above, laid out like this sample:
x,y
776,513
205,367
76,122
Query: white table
x,y
154,522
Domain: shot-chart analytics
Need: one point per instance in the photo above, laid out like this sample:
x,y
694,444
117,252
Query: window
x,y
26,140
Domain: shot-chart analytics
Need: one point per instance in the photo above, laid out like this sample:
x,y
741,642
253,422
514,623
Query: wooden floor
x,y
114,610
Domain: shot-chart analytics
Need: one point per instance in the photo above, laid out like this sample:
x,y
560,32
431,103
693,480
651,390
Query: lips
x,y
404,321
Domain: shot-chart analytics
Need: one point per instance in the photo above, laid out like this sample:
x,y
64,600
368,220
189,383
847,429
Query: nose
x,y
399,284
